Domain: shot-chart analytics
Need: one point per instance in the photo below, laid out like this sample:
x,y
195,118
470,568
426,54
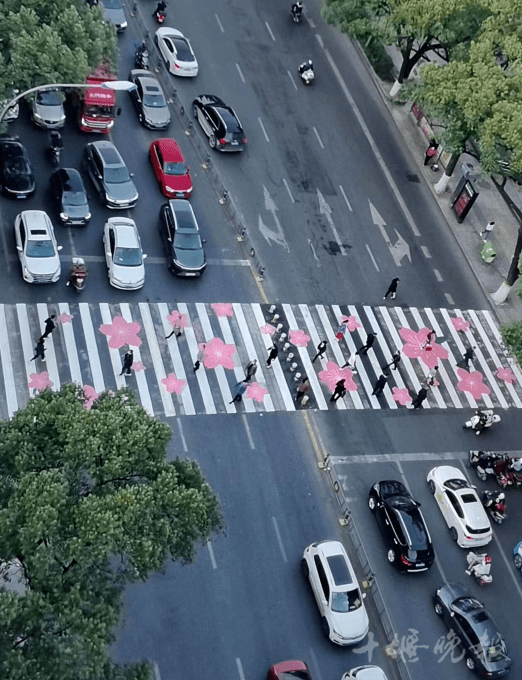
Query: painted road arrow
x,y
326,210
398,250
269,234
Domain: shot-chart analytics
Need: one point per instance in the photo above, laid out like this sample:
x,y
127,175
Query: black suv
x,y
183,244
69,194
405,532
16,173
219,122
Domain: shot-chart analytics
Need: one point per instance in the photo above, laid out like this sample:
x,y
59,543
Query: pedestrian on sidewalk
x,y
392,289
340,390
49,326
200,356
239,390
321,349
128,360
177,328
468,356
431,151
421,396
370,339
396,360
351,363
272,355
302,389
39,349
379,386
251,370
484,235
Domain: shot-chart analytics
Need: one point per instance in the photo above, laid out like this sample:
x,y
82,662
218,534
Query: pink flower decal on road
x,y
472,383
219,354
505,374
64,318
121,332
177,320
39,381
256,391
414,347
333,374
138,366
268,329
90,396
172,384
351,323
222,308
459,324
299,338
401,396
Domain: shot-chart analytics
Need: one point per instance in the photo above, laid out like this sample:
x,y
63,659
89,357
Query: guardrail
x,y
225,199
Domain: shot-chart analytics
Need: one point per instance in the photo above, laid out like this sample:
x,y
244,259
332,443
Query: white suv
x,y
37,248
337,592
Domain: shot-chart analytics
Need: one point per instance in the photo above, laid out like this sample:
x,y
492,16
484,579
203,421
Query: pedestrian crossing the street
x,y
89,342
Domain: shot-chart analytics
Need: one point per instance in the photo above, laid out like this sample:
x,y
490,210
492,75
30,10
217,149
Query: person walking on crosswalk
x,y
177,328
251,370
396,359
49,326
302,389
421,396
128,360
370,339
321,349
200,356
272,356
340,390
392,289
468,356
39,349
239,390
379,386
351,362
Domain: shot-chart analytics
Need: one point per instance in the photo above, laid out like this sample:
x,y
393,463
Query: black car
x,y
16,172
407,537
477,634
71,199
183,244
219,123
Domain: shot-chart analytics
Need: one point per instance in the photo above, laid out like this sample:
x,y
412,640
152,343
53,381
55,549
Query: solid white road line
x,y
52,366
372,258
92,348
7,366
316,339
278,535
239,373
116,359
288,189
460,346
219,23
70,346
442,368
27,345
387,393
157,359
141,379
434,390
345,198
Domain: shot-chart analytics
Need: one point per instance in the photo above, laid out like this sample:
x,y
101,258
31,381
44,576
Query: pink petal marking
x,y
460,324
333,374
268,329
138,366
256,391
177,320
472,383
506,374
64,318
219,354
402,396
415,347
39,381
90,396
172,384
299,338
222,308
121,332
351,322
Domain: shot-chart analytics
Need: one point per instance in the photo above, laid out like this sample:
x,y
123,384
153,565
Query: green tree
x,y
88,503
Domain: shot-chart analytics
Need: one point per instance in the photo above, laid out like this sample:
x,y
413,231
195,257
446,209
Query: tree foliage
x,y
88,502
512,336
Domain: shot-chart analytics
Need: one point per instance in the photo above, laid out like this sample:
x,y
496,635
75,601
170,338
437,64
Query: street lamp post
x,y
109,84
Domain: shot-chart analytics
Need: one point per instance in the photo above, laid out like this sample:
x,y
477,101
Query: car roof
x,y
126,232
167,32
70,179
184,214
392,487
170,149
338,562
108,152
37,223
369,673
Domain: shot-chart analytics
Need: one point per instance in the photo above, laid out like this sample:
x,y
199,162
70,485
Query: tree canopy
x,y
88,503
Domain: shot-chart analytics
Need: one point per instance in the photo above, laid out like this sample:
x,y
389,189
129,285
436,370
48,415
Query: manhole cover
x,y
413,178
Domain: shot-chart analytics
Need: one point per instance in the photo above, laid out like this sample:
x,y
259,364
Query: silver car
x,y
48,110
149,100
114,13
123,254
37,247
110,176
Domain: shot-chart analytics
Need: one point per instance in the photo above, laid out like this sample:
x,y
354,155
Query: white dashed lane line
x,y
219,23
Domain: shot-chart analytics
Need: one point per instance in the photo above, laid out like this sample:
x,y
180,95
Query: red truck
x,y
97,103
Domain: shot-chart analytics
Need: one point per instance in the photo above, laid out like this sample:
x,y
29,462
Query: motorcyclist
x,y
492,499
479,565
142,49
306,66
297,8
79,270
160,8
55,140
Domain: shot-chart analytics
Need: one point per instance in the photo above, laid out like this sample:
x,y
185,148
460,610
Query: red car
x,y
289,670
170,168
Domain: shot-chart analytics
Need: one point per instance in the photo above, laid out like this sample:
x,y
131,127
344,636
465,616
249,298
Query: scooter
x,y
141,57
296,12
55,147
479,566
508,472
306,71
481,421
484,463
161,12
495,504
78,274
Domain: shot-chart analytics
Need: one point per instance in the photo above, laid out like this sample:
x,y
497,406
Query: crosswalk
x,y
80,351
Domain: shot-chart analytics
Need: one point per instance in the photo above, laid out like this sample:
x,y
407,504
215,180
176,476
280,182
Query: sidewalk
x,y
488,207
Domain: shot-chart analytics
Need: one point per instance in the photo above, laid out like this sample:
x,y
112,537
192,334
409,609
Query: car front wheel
x,y
194,110
391,556
470,663
304,568
431,486
372,503
454,534
212,141
518,561
438,609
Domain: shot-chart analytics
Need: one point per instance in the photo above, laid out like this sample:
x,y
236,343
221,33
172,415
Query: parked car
x,y
48,111
37,247
289,670
219,122
517,555
170,169
336,592
11,113
476,633
114,13
70,196
16,172
365,673
400,519
109,175
123,254
183,244
149,100
177,52
460,506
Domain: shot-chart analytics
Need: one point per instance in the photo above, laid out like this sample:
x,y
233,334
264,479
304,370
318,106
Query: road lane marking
x,y
219,23
240,74
318,138
426,252
7,366
372,258
438,275
211,553
182,436
240,669
270,31
263,128
363,459
292,79
281,546
288,189
346,199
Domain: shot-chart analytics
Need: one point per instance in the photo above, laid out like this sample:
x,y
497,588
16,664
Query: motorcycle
x,y
484,463
479,566
508,472
495,504
55,147
297,11
78,274
141,57
160,12
481,421
306,71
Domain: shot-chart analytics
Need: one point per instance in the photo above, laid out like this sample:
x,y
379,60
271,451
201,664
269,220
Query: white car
x,y
365,673
37,247
123,254
336,591
177,52
461,507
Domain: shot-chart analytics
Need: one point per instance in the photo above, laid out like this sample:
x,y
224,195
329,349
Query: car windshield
x,y
98,110
118,175
175,168
128,257
187,241
346,602
49,98
74,198
183,51
17,167
456,484
40,249
154,101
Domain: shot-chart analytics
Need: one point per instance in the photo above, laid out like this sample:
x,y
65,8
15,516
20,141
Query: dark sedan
x,y
149,100
402,524
69,194
183,244
16,173
219,122
476,633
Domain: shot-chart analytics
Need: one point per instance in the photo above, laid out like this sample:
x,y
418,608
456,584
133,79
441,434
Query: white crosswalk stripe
x,y
77,351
